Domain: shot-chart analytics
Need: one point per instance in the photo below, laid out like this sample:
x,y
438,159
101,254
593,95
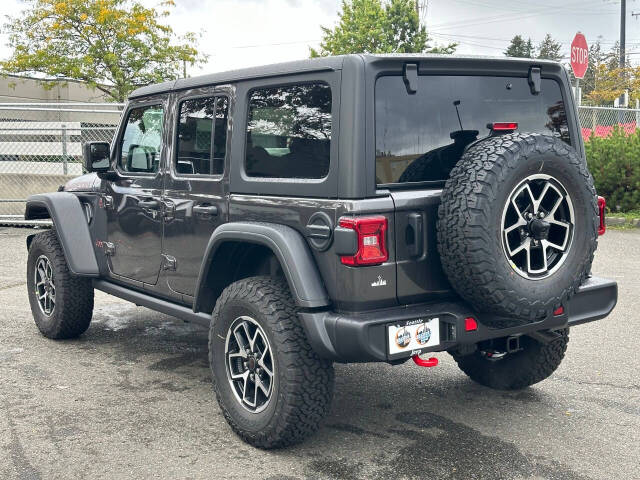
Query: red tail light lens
x,y
602,203
371,231
504,126
470,324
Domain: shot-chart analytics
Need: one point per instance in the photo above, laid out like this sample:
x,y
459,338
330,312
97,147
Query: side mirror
x,y
96,156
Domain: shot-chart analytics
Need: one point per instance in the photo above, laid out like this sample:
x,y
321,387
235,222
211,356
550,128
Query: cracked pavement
x,y
132,398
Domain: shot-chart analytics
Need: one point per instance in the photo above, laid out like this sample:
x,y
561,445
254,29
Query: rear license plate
x,y
413,335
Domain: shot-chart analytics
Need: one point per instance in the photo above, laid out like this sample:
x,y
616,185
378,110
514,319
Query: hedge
x,y
614,162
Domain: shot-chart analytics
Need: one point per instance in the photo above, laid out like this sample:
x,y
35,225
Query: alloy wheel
x,y
537,226
45,288
249,364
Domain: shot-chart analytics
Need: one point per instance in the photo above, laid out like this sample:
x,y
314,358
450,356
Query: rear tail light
x,y
558,311
371,232
470,324
602,203
503,126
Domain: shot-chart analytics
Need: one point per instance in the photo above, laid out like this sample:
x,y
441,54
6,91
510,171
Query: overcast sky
x,y
239,33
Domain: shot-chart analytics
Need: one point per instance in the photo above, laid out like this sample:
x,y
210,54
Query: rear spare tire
x,y
517,225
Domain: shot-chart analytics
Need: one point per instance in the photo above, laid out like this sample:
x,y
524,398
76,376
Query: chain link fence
x,y
41,146
601,121
41,143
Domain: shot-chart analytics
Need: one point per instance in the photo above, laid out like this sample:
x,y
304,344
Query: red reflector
x,y
502,126
558,311
602,203
371,232
470,324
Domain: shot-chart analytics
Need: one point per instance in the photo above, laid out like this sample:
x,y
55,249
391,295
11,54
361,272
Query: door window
x,y
141,143
289,131
202,136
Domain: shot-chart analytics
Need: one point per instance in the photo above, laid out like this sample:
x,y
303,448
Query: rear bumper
x,y
362,337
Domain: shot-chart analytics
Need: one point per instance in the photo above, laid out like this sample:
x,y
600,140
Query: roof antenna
x,y
456,103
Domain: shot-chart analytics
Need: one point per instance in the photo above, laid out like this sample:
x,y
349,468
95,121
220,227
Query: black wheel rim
x,y
537,226
249,364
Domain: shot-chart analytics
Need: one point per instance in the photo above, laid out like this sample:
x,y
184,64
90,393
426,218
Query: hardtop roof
x,y
313,65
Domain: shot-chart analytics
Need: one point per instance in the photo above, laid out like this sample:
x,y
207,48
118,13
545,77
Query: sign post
x,y
579,60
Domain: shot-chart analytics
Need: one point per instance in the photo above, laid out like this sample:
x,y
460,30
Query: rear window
x,y
289,131
421,137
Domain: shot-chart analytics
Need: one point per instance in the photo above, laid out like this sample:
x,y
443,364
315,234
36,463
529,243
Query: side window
x,y
289,131
141,144
202,136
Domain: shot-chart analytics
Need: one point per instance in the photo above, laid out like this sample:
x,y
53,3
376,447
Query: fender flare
x,y
70,223
288,246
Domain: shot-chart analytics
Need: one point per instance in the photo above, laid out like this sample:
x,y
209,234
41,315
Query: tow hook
x,y
421,362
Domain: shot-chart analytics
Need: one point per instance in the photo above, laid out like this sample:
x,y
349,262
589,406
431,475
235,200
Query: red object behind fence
x,y
603,131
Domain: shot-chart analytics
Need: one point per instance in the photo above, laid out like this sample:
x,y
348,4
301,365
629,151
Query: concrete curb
x,y
617,221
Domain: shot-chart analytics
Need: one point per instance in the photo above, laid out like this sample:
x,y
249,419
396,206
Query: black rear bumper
x,y
362,337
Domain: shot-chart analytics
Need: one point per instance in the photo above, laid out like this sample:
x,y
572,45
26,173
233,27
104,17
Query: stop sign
x,y
579,55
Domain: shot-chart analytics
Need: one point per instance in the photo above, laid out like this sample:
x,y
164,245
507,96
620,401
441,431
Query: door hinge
x,y
169,262
109,248
105,201
168,209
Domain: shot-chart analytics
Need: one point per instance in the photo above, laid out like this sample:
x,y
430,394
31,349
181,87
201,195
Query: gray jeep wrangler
x,y
348,209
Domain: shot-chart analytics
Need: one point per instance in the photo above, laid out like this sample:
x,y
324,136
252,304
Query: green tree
x,y
549,49
519,47
377,26
604,80
596,58
112,45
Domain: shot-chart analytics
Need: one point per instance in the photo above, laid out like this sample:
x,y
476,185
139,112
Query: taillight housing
x,y
602,204
371,240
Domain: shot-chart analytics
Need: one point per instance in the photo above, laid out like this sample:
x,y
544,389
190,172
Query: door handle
x,y
210,210
153,204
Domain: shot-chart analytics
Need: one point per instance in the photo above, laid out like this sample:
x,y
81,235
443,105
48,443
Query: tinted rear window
x,y
420,137
289,131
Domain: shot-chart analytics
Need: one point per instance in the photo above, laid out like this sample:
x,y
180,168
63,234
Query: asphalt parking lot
x,y
132,399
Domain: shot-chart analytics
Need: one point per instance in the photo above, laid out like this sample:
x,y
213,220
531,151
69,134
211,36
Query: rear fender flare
x,y
287,245
70,222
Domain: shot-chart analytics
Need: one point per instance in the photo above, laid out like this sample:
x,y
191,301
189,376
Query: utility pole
x,y
421,11
623,34
623,25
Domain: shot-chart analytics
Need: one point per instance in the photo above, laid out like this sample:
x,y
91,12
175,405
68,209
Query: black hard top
x,y
313,65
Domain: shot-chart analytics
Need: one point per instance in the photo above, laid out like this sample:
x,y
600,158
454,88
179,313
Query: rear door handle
x,y
210,210
153,204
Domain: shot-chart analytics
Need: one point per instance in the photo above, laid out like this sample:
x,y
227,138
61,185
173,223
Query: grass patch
x,y
630,215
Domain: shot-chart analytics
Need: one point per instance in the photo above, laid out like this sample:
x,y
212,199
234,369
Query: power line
x,y
506,16
494,39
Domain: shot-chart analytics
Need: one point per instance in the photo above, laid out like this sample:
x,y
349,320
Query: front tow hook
x,y
421,362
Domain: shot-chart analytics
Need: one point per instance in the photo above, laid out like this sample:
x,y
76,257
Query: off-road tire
x,y
470,225
534,363
303,386
73,308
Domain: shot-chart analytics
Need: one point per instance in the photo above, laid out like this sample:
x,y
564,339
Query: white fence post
x,y
65,167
